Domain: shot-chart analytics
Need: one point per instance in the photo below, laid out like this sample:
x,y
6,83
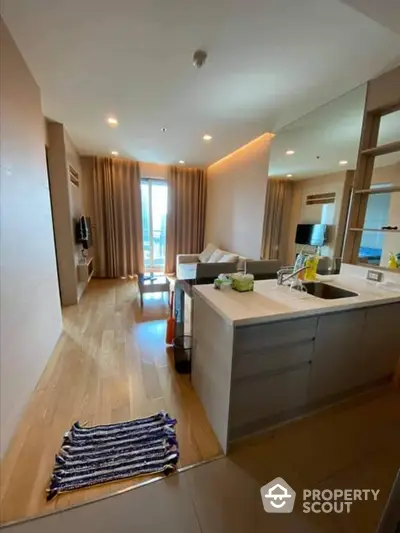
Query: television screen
x,y
311,234
83,232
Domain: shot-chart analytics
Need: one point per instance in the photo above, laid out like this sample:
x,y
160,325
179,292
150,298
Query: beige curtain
x,y
276,219
118,217
187,189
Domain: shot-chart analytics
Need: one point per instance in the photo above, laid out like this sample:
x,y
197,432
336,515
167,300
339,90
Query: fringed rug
x,y
89,456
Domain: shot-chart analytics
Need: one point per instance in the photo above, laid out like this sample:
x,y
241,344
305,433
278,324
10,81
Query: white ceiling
x,y
386,13
269,63
328,135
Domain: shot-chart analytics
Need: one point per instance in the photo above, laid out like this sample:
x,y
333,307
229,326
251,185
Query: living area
x,y
135,206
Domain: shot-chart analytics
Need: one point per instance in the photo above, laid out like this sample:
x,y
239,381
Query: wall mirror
x,y
318,155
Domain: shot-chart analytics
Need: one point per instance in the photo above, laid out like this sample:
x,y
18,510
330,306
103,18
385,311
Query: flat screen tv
x,y
311,234
83,232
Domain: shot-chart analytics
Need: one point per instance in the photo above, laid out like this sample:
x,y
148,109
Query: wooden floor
x,y
110,365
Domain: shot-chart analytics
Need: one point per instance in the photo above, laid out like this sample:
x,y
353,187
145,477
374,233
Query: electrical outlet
x,y
373,275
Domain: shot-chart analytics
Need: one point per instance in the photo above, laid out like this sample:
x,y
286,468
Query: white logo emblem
x,y
278,496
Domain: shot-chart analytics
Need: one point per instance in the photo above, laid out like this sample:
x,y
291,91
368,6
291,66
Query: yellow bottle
x,y
310,274
392,261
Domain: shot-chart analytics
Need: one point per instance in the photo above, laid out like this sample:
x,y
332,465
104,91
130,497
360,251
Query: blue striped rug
x,y
93,455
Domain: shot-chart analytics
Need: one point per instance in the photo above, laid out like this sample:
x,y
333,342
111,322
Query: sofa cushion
x,y
216,256
186,271
207,253
229,258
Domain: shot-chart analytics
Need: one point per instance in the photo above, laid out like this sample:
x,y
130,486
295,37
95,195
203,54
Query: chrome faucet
x,y
288,270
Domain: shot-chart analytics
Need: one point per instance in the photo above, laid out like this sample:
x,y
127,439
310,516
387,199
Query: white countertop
x,y
269,302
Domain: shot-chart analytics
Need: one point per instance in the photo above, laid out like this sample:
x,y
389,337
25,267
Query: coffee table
x,y
148,282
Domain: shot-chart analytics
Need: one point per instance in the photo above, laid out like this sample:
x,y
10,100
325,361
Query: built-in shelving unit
x,y
382,98
376,230
383,149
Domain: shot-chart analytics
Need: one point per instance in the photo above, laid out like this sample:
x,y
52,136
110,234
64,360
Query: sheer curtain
x,y
187,189
276,219
118,217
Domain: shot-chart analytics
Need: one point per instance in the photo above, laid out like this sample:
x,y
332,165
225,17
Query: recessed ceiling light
x,y
207,137
114,152
289,175
289,152
181,162
112,121
163,130
343,162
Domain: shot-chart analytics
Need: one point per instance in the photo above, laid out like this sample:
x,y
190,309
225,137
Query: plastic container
x,y
242,282
183,354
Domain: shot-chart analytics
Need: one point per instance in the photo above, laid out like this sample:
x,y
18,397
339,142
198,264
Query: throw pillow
x,y
216,256
229,258
207,253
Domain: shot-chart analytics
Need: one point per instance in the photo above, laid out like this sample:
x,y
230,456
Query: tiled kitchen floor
x,y
352,445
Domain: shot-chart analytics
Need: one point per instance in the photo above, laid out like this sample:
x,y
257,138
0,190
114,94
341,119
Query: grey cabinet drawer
x,y
254,338
381,341
272,359
258,398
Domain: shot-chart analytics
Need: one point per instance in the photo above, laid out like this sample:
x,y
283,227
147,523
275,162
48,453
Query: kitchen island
x,y
264,357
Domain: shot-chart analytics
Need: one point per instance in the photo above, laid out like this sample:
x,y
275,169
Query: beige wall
x,y
236,199
67,201
316,214
153,170
30,304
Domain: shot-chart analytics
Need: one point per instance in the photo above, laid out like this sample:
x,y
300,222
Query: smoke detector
x,y
199,58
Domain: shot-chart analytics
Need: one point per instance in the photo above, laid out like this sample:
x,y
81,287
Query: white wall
x,y
236,198
30,306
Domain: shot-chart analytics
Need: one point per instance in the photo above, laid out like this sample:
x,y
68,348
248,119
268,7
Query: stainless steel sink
x,y
325,291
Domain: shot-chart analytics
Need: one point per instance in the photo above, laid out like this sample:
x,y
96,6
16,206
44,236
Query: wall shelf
x,y
378,190
383,149
376,230
85,270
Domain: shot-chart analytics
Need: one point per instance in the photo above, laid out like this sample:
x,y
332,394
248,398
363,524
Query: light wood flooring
x,y
353,445
110,365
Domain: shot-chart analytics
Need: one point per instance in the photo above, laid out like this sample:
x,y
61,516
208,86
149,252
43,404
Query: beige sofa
x,y
189,266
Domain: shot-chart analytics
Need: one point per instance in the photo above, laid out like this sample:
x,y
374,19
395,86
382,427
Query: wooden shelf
x,y
378,190
383,149
376,230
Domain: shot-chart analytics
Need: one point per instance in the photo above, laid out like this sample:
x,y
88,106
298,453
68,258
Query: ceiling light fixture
x,y
207,137
112,121
289,175
114,153
343,162
181,162
289,152
163,130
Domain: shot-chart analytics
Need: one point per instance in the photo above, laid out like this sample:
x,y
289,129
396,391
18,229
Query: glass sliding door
x,y
154,219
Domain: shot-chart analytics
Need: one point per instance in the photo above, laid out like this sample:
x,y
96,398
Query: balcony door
x,y
154,219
